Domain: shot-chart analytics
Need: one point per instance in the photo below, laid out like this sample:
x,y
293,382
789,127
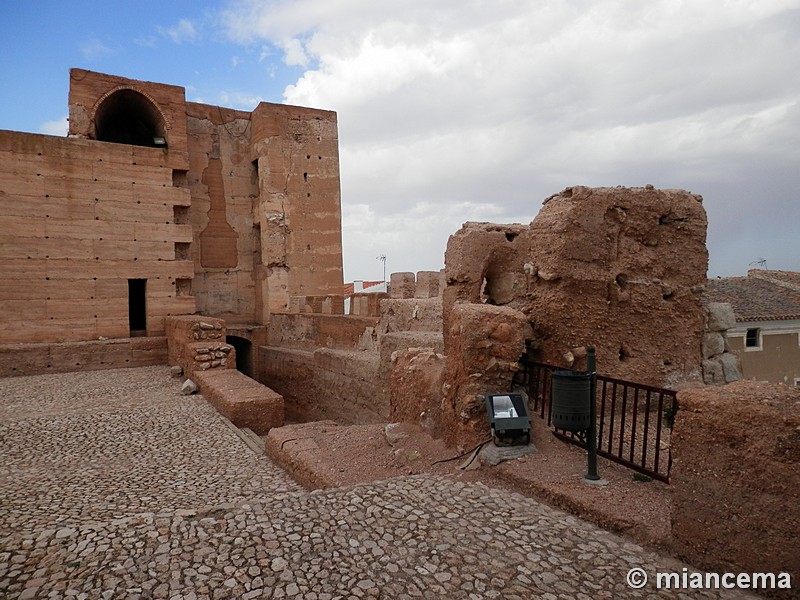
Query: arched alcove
x,y
129,117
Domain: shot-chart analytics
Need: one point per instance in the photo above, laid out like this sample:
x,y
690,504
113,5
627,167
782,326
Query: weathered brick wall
x,y
234,213
79,218
736,478
326,383
95,355
298,209
223,185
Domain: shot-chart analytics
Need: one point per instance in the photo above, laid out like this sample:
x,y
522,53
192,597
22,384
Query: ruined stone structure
x,y
156,210
736,476
620,269
155,206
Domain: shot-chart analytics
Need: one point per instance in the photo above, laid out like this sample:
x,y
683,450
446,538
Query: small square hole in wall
x,y
183,287
180,215
183,251
180,179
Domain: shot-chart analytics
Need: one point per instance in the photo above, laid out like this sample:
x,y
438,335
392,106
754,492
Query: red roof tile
x,y
761,296
349,287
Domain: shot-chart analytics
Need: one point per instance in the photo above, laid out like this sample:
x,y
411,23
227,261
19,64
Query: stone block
x,y
713,344
402,285
242,400
720,316
730,367
712,372
427,284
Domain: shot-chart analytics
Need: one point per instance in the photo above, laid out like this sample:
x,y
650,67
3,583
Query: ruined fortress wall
x,y
223,185
228,213
621,269
79,219
736,478
298,210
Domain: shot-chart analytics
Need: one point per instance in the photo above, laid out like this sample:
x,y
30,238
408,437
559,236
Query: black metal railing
x,y
633,420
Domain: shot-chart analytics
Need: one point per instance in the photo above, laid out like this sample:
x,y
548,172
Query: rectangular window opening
x,y
752,338
137,307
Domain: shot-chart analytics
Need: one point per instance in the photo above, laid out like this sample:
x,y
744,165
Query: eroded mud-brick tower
x,y
155,206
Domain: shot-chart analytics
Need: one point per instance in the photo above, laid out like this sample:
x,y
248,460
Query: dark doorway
x,y
244,353
137,307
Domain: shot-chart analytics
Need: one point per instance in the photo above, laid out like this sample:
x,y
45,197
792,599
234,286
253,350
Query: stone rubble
x,y
114,485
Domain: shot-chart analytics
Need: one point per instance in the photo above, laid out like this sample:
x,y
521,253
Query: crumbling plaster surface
x,y
621,269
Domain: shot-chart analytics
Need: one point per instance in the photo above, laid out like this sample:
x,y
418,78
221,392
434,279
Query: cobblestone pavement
x,y
113,485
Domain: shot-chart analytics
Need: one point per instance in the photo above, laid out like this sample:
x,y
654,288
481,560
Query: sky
x,y
469,110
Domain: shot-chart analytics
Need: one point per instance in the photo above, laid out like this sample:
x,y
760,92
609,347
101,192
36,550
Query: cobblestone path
x,y
113,485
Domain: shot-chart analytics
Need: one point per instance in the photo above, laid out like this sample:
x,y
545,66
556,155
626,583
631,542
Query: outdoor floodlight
x,y
159,141
509,419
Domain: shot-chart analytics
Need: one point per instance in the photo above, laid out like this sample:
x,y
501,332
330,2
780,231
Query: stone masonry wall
x,y
720,365
736,478
198,344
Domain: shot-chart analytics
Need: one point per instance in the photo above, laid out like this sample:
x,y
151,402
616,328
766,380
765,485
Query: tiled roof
x,y
349,287
761,296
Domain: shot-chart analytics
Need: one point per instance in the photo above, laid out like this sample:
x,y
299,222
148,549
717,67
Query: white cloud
x,y
182,32
238,100
294,54
94,49
454,104
58,127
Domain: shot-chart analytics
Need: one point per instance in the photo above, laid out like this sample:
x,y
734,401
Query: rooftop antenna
x,y
761,263
382,258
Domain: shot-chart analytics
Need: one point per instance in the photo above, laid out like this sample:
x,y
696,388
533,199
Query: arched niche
x,y
129,117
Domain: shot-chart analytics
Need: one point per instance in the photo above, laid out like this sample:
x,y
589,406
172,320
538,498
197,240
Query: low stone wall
x,y
197,343
326,383
736,478
309,331
413,314
331,304
367,305
95,355
242,400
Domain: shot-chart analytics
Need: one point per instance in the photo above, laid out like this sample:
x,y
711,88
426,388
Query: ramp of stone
x,y
242,400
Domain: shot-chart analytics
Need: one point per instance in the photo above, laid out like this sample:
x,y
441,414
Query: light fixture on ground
x,y
509,419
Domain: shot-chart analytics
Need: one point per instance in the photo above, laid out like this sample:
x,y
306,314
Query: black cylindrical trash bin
x,y
571,407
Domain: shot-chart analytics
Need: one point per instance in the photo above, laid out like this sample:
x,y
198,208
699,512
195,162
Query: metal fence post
x,y
591,442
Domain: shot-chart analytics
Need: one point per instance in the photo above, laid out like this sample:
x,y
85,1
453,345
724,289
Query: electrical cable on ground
x,y
444,460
